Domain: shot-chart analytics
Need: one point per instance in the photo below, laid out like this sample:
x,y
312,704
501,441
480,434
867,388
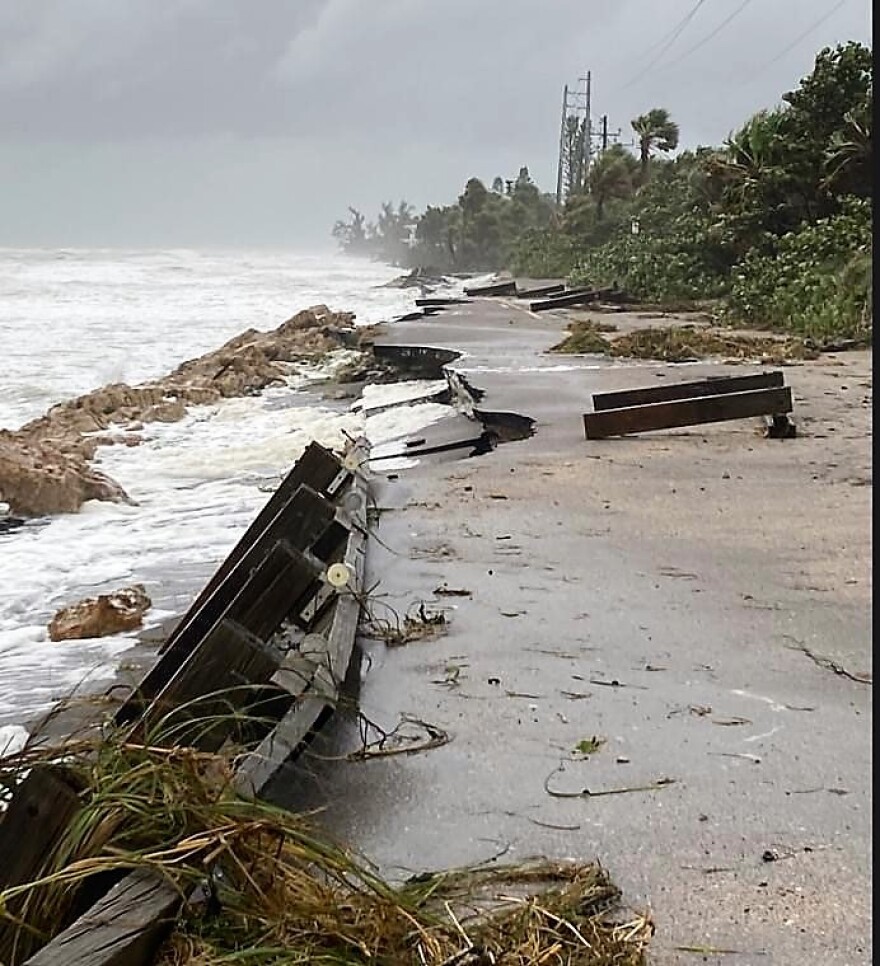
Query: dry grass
x,y
682,344
275,891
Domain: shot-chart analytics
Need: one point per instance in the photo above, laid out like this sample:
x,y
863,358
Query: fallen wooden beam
x,y
317,468
38,815
713,386
439,302
301,520
571,298
124,928
267,593
316,678
540,291
496,288
198,708
686,412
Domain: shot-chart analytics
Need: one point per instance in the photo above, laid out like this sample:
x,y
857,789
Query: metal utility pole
x,y
561,146
576,139
588,134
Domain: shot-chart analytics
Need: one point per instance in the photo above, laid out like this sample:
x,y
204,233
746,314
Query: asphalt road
x,y
698,601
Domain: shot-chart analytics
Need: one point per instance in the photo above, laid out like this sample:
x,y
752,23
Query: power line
x,y
676,32
709,36
800,37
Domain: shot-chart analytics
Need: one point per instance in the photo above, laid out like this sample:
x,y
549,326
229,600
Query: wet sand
x,y
700,599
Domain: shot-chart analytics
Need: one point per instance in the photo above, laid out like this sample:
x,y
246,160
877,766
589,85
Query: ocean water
x,y
71,321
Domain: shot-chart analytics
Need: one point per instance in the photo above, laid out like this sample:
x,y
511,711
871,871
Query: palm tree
x,y
611,176
656,131
848,157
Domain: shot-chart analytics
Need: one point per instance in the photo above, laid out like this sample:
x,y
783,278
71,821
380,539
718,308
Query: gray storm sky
x,y
190,122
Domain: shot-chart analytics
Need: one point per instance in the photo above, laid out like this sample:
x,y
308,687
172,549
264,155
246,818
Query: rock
x,y
44,465
114,613
36,479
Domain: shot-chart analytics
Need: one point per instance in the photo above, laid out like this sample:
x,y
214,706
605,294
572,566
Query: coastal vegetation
x,y
774,226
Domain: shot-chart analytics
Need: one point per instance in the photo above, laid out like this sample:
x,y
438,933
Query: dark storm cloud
x,y
230,120
106,69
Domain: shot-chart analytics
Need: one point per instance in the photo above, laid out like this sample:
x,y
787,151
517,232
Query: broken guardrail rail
x,y
692,403
270,637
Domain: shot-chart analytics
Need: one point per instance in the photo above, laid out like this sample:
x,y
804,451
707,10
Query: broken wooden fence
x,y
272,632
688,404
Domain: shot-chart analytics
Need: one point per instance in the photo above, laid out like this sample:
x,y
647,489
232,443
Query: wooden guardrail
x,y
274,626
689,404
495,288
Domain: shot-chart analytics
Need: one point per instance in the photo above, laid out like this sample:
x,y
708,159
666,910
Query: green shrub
x,y
816,281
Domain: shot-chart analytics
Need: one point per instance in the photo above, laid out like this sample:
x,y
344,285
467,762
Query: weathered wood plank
x,y
571,298
317,468
38,815
540,291
315,680
198,706
287,579
301,520
124,928
268,594
40,809
496,288
435,301
713,386
686,412
127,925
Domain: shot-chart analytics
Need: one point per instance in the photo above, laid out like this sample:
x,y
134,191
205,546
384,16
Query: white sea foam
x,y
12,739
198,482
132,315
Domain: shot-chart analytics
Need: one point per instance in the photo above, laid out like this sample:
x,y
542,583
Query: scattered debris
x,y
685,344
414,627
444,591
399,741
589,793
614,683
588,746
451,676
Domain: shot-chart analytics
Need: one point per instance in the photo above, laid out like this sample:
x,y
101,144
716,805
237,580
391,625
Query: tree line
x,y
774,225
